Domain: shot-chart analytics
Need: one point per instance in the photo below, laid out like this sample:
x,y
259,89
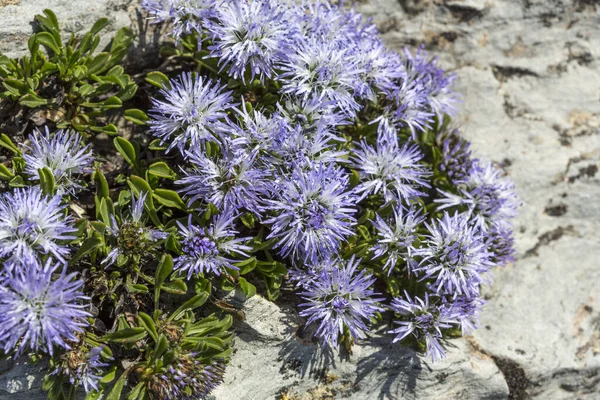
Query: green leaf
x,y
128,91
110,129
248,220
164,269
161,346
49,23
102,189
139,185
177,286
138,392
162,170
46,180
8,144
16,87
136,116
169,198
33,101
195,302
5,173
99,25
147,323
364,232
115,393
93,395
106,210
17,182
248,288
137,288
48,40
98,64
159,80
354,178
246,266
87,247
156,145
127,335
127,150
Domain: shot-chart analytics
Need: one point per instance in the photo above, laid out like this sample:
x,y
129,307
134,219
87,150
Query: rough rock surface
x,y
529,73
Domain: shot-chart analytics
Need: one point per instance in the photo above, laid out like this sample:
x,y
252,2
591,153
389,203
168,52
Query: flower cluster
x,y
340,150
284,141
42,306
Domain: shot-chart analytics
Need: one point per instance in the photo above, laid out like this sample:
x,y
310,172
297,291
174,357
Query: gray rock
x,y
530,78
75,16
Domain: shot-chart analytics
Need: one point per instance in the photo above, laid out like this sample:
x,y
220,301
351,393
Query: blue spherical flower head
x,y
465,310
456,156
488,193
207,250
186,16
254,134
310,113
500,243
302,145
340,297
186,378
405,104
39,312
132,236
62,153
321,70
251,36
390,170
193,107
437,84
424,321
395,238
454,255
83,367
331,23
313,212
31,222
232,181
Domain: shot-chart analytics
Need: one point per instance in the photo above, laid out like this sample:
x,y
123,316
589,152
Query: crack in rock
x,y
548,237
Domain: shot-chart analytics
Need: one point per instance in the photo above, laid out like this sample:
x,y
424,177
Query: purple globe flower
x,y
186,378
191,110
310,113
466,311
489,195
454,255
321,70
254,133
31,222
406,105
132,236
381,68
437,84
251,36
186,16
424,321
390,170
313,212
83,367
304,147
340,297
62,153
38,312
395,238
207,250
456,155
500,244
232,181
